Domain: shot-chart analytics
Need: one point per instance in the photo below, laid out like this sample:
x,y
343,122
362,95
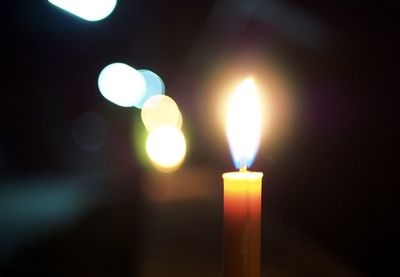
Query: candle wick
x,y
243,169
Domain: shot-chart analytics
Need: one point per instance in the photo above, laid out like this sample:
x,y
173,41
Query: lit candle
x,y
242,189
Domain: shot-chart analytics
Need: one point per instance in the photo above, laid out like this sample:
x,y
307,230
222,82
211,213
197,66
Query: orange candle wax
x,y
242,228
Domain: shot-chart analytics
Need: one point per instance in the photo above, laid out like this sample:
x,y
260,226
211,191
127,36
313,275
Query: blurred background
x,y
79,197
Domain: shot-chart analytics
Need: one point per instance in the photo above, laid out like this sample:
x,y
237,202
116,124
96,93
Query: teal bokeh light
x,y
154,86
122,85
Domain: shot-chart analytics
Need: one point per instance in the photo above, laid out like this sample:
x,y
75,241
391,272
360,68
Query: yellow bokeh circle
x,y
166,147
161,110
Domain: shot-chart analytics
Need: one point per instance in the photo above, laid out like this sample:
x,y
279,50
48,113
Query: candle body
x,y
242,224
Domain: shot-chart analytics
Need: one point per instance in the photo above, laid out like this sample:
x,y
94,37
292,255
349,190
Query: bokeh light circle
x,y
122,85
90,10
166,147
154,85
161,110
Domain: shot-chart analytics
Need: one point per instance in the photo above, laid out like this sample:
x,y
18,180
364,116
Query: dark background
x,y
328,198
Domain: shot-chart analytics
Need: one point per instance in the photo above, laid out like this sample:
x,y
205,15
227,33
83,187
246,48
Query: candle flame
x,y
243,124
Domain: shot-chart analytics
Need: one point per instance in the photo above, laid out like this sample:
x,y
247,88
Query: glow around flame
x,y
243,124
